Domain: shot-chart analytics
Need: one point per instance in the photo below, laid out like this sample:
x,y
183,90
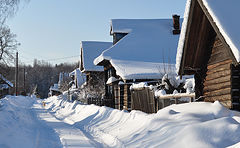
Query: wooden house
x,y
209,49
54,90
5,86
89,50
143,51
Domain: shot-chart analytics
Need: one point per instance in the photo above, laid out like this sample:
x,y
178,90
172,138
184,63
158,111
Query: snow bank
x,y
195,124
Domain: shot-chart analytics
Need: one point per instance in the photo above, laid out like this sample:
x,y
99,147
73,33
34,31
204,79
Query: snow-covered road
x,y
25,122
69,135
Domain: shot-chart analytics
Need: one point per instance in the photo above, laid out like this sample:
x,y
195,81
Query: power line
x,y
54,59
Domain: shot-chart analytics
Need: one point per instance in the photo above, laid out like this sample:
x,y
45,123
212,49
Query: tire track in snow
x,y
69,135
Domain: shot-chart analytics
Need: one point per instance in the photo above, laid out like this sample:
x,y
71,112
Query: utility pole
x,y
16,75
24,79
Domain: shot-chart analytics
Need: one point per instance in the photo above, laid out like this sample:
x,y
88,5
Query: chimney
x,y
176,24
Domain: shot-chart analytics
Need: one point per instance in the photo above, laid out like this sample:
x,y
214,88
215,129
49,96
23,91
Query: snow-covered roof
x,y
5,80
91,49
148,40
141,70
225,16
79,76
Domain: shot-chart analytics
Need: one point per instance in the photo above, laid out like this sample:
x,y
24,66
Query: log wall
x,y
217,83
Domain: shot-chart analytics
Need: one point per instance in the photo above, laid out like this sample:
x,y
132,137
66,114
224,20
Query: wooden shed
x,y
208,50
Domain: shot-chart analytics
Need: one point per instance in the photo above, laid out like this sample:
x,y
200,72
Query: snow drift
x,y
185,125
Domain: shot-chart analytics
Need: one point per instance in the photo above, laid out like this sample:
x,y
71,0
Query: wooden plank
x,y
218,92
219,86
219,80
218,75
219,64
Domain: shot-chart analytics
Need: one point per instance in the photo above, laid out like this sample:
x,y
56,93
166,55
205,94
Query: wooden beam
x,y
190,15
170,96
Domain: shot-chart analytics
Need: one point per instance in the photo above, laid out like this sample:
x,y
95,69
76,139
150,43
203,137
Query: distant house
x,y
209,48
5,86
94,74
54,90
143,50
78,78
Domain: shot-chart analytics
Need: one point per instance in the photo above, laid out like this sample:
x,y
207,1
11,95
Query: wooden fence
x,y
145,100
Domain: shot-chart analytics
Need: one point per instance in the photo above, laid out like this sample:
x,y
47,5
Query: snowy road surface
x,y
25,122
69,135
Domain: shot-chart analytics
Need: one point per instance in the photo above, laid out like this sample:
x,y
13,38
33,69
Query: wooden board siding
x,y
217,83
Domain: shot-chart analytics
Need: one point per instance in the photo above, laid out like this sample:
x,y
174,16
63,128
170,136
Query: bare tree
x,y
7,8
8,44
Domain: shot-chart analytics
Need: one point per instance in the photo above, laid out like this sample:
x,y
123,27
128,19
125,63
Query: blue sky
x,y
52,29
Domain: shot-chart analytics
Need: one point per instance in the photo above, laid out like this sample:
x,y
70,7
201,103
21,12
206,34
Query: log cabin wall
x,y
217,83
235,87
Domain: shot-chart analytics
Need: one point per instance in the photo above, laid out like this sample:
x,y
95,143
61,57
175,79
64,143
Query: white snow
x,y
141,70
25,122
189,85
111,80
138,85
90,50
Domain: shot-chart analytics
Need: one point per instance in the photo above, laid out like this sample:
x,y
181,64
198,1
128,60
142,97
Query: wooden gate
x,y
143,100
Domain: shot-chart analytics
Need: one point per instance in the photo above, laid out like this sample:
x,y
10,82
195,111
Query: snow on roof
x,y
141,70
111,80
4,79
148,40
182,36
91,49
224,14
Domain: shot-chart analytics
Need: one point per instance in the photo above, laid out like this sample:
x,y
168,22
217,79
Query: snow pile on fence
x,y
197,124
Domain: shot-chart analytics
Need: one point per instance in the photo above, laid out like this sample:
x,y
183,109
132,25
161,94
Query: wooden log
x,y
223,85
218,75
218,57
191,95
219,64
219,98
219,80
218,92
218,69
